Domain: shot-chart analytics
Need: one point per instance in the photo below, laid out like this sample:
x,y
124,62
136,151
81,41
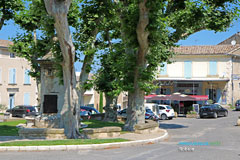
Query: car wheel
x,y
225,114
200,116
163,116
215,115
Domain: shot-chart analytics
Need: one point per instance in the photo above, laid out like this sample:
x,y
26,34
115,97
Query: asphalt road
x,y
200,139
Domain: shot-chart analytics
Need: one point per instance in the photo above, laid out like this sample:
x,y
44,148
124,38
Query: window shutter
x,y
11,76
14,75
219,96
212,68
26,98
164,69
187,69
26,77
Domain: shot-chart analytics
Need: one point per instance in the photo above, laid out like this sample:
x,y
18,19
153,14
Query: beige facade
x,y
16,86
203,70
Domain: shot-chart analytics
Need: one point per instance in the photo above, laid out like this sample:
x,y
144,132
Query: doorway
x,y
11,101
50,104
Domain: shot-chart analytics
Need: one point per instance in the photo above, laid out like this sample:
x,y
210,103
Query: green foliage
x,y
169,22
8,8
101,103
191,112
3,107
210,101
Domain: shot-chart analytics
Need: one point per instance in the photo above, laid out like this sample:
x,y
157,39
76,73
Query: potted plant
x,y
192,114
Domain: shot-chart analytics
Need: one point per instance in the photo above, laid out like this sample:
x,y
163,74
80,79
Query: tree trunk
x,y
135,111
110,109
59,10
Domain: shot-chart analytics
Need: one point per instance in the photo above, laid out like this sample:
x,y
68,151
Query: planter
x,y
192,116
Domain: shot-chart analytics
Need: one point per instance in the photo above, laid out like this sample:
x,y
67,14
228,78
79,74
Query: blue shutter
x,y
158,90
26,77
219,96
187,69
14,76
164,69
11,76
207,92
26,98
212,68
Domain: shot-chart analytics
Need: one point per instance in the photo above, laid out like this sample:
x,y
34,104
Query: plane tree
x,y
149,31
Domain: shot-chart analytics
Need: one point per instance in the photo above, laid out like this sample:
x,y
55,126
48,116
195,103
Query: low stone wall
x,y
148,127
42,123
104,132
42,133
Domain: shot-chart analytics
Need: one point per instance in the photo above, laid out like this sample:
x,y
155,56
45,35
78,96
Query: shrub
x,y
3,108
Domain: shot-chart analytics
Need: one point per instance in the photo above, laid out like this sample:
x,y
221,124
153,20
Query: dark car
x,y
90,110
123,113
213,110
23,110
237,105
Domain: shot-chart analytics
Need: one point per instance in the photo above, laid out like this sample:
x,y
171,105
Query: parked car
x,y
163,111
149,114
237,105
123,113
213,110
23,110
91,110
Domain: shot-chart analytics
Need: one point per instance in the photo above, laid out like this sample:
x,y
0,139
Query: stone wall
x,y
42,133
104,132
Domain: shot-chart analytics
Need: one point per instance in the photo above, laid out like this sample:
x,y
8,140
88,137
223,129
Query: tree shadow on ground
x,y
171,126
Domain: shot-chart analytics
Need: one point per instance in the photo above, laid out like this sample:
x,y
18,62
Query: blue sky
x,y
199,38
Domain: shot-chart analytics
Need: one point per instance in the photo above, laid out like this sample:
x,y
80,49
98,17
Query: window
x,y
12,55
26,99
164,69
26,77
212,68
12,76
187,69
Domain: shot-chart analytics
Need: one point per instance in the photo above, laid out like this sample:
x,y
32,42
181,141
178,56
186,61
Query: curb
x,y
84,147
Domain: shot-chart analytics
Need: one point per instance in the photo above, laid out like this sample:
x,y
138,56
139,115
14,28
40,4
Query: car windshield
x,y
149,110
206,106
168,107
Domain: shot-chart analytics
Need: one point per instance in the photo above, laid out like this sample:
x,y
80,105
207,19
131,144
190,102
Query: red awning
x,y
200,97
177,97
150,96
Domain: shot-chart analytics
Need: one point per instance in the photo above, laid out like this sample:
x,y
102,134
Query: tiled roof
x,y
5,43
205,50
